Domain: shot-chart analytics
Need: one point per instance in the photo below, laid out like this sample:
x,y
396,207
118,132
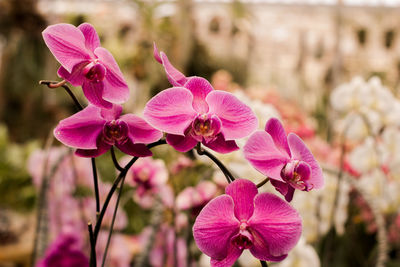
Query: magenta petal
x,y
181,143
175,77
111,114
76,77
284,188
92,40
136,150
222,146
275,129
233,254
238,120
93,153
140,131
242,192
94,94
67,44
276,227
261,152
301,152
81,129
115,88
215,226
171,110
200,88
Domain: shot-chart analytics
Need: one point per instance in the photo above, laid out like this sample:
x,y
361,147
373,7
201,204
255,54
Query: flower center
x,y
297,173
243,239
94,72
115,132
206,126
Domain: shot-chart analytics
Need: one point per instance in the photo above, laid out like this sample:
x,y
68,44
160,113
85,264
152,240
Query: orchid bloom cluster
x,y
190,114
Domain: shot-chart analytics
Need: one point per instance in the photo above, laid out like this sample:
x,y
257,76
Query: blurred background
x,y
329,69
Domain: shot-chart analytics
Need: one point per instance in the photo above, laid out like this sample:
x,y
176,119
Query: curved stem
x,y
264,263
228,175
55,84
263,182
115,161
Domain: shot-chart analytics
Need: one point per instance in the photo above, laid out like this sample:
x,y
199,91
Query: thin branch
x,y
93,260
227,173
263,182
55,84
264,263
112,221
96,185
115,161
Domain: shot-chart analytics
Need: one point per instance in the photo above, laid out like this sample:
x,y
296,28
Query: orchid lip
x,y
206,126
297,173
244,239
115,132
95,71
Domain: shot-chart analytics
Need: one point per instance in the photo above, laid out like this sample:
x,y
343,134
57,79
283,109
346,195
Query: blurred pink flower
x,y
181,163
65,251
84,63
119,252
94,130
149,177
284,159
195,198
245,219
193,112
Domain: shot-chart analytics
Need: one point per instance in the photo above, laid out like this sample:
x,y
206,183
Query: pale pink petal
x,y
115,88
81,129
233,254
181,143
140,131
112,113
275,129
93,91
261,152
222,146
200,88
92,40
301,152
238,120
242,192
276,227
137,150
171,110
93,153
284,188
215,226
67,44
175,77
76,77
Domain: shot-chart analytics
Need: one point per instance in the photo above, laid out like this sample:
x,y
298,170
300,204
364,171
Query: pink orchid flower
x,y
193,112
84,63
284,159
94,130
245,219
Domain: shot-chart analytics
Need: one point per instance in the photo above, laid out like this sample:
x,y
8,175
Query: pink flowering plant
x,y
189,116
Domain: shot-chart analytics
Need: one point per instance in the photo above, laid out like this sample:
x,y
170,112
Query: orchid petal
x,y
102,148
76,77
284,188
275,226
181,143
115,88
233,254
67,44
275,129
94,94
111,114
136,150
171,110
222,146
261,152
81,130
92,40
238,120
301,152
140,131
215,226
200,88
242,192
175,77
